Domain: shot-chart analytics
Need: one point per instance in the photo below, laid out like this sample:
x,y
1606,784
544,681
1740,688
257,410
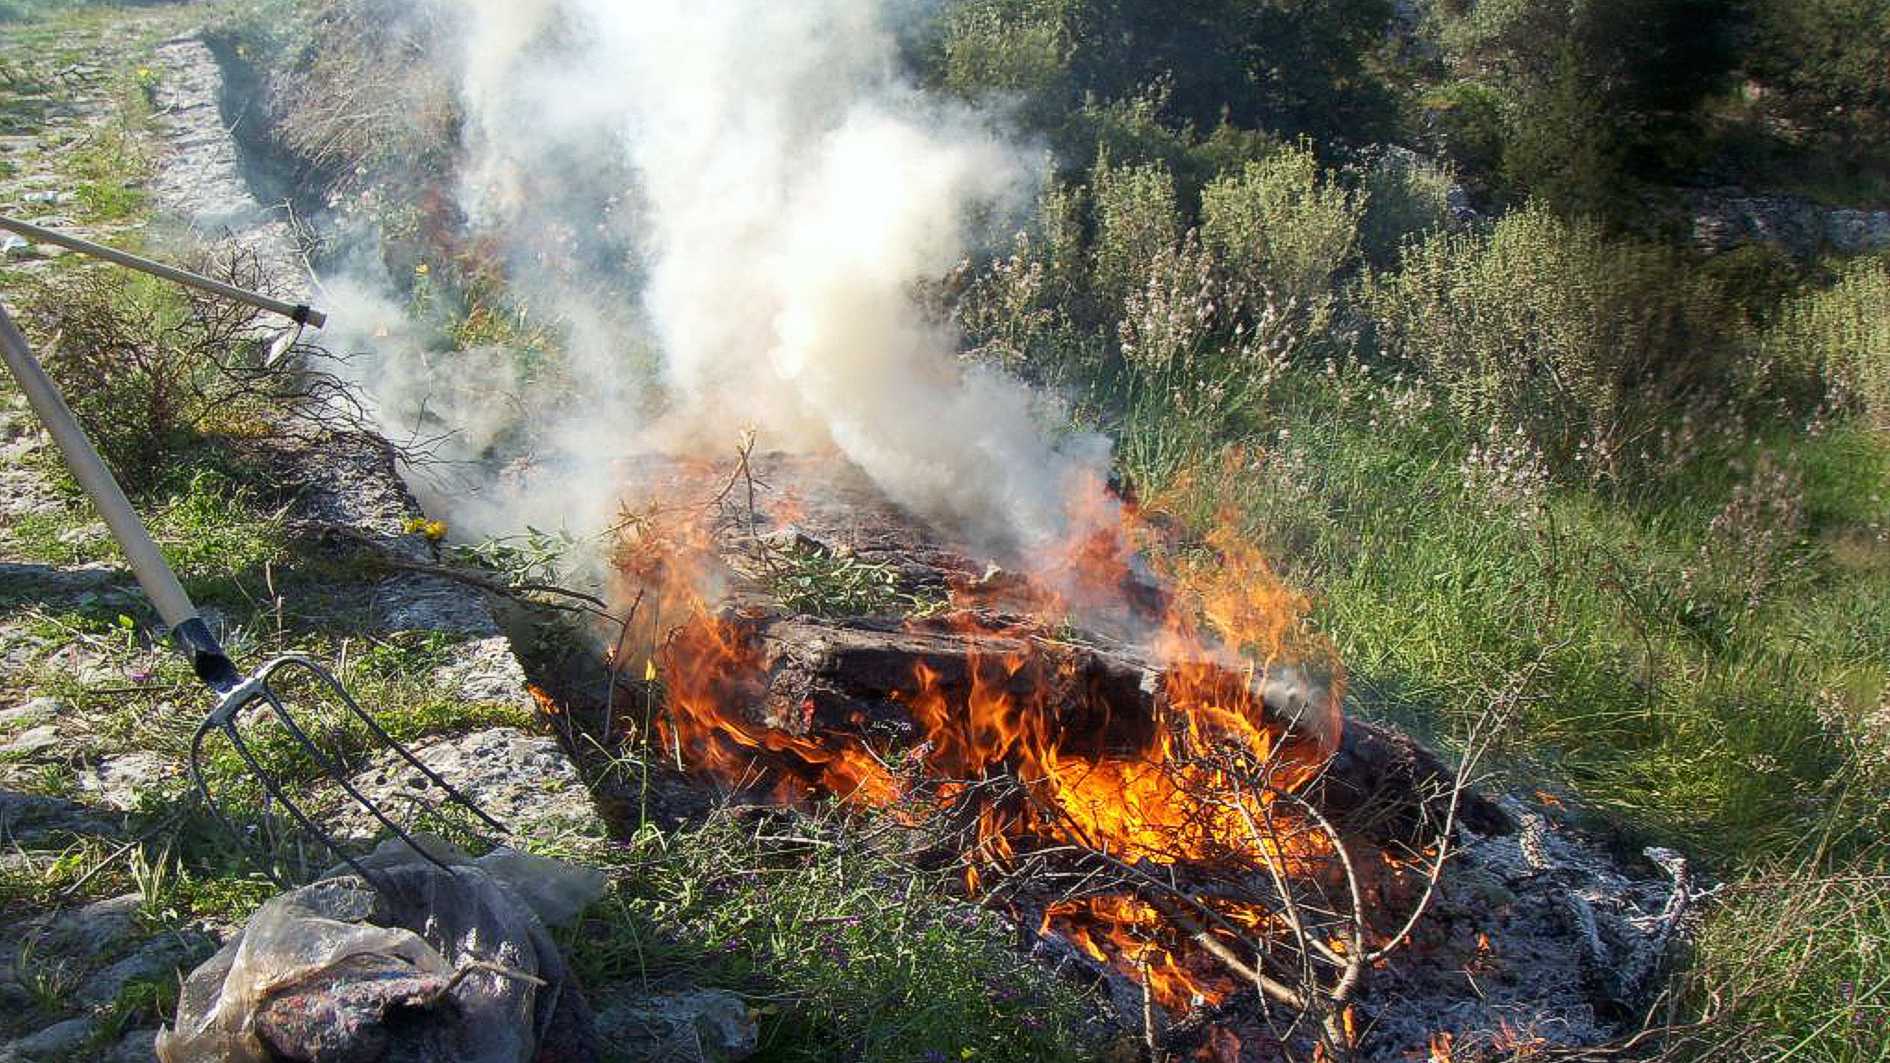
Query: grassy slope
x,y
1714,731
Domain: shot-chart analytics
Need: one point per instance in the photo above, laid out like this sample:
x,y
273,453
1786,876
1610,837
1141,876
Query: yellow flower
x,y
421,269
649,671
434,530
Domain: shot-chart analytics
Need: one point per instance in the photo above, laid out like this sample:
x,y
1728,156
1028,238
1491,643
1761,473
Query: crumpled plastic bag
x,y
449,967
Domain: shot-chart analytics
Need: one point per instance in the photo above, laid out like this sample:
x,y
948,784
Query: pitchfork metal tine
x,y
257,854
385,738
340,777
268,781
256,690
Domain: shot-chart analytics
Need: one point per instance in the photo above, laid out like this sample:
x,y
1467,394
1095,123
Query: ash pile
x,y
1131,746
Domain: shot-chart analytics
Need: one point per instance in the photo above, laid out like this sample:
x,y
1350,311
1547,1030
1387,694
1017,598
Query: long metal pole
x,y
154,574
299,313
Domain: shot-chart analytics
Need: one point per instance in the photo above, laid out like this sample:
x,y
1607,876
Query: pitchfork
x,y
236,692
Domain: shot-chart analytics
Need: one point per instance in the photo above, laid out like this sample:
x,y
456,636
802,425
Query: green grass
x,y
1690,687
844,952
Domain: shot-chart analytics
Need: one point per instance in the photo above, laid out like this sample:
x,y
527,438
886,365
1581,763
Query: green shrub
x,y
1586,344
149,367
1580,99
1136,220
1280,226
1827,57
1843,332
1405,195
989,47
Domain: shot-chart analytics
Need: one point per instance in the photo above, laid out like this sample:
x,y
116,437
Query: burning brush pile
x,y
1141,762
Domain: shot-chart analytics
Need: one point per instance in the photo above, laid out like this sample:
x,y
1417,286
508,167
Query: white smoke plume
x,y
769,187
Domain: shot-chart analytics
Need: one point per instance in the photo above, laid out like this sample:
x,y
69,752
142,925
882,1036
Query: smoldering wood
x,y
856,677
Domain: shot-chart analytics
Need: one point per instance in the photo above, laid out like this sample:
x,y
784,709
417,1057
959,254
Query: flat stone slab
x,y
119,781
524,781
58,1042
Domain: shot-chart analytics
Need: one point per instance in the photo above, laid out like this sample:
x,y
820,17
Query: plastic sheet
x,y
448,966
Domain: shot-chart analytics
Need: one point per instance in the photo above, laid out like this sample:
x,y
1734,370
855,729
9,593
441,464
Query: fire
x,y
1199,784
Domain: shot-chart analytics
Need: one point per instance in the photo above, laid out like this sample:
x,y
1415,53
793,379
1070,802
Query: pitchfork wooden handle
x,y
154,574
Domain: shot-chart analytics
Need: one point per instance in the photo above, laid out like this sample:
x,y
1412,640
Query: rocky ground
x,y
113,130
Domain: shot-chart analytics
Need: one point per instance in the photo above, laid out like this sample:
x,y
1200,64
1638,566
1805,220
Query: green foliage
x,y
1281,227
1799,964
1136,220
813,579
150,369
1570,102
1017,49
532,556
1844,333
1825,60
1404,195
1584,343
1294,68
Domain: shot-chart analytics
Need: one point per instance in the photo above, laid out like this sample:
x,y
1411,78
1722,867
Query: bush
x,y
1026,53
1586,344
1843,332
1586,96
1828,57
148,366
349,94
1136,219
1405,195
1280,227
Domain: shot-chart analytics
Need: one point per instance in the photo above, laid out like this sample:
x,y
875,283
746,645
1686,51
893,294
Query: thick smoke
x,y
753,190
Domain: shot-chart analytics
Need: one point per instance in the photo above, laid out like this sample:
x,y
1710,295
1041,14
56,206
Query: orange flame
x,y
1218,626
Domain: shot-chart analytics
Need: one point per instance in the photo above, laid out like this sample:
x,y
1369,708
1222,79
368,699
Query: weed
x,y
1798,963
1843,333
48,980
1281,227
142,1002
822,582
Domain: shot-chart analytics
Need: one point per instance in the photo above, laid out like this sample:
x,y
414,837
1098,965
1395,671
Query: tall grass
x,y
1844,333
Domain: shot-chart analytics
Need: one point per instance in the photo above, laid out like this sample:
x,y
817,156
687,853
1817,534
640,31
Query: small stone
x,y
101,928
30,819
119,781
84,534
158,959
60,1041
484,670
32,714
704,1026
31,743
